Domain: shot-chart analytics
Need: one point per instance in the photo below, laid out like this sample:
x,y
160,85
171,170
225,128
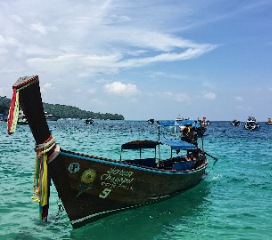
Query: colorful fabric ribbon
x,y
13,112
41,182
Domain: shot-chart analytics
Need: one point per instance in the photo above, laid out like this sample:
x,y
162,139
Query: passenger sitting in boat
x,y
192,155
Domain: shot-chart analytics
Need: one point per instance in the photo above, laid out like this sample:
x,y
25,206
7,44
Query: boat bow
x,y
26,93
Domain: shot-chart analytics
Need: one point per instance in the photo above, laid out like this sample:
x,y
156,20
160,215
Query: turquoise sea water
x,y
233,202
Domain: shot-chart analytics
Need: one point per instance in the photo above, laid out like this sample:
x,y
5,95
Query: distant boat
x,y
182,124
179,118
235,122
205,122
151,121
89,121
93,187
50,117
208,122
251,123
21,120
269,121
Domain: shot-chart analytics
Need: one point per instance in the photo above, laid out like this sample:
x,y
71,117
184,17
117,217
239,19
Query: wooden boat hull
x,y
92,188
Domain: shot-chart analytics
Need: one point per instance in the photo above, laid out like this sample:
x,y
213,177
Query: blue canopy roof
x,y
179,144
191,123
138,144
167,123
174,144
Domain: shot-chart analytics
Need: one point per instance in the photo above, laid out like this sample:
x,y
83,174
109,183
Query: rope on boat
x,y
41,181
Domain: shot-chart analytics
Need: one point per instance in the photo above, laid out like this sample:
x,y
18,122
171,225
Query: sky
x,y
143,59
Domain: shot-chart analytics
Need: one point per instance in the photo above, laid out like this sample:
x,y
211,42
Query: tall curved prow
x,y
28,92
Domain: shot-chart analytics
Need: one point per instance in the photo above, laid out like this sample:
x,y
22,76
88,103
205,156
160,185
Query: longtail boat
x,y
93,187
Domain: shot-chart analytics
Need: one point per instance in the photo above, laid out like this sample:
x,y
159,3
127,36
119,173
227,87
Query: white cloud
x,y
90,64
16,18
208,84
168,94
97,102
8,41
180,97
119,88
1,91
91,90
46,86
209,95
89,38
38,27
189,53
239,98
3,51
80,64
78,90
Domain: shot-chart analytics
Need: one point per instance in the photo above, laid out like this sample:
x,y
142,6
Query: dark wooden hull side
x,y
92,188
